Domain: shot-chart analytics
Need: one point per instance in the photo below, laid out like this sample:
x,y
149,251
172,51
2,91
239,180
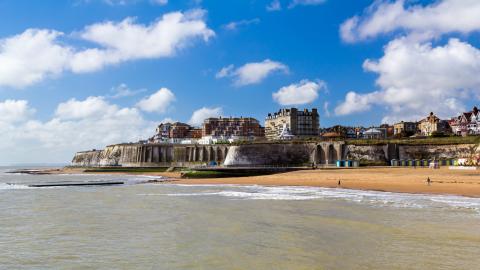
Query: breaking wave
x,y
5,186
376,198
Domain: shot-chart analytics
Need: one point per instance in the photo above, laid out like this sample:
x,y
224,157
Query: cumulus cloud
x,y
77,125
235,25
416,78
30,57
434,19
157,102
252,73
200,115
300,93
89,108
12,111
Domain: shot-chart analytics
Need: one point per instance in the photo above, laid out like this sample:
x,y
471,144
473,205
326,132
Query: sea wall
x,y
269,154
276,154
437,151
151,155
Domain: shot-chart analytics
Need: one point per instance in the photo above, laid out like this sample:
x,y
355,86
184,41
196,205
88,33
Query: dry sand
x,y
444,181
410,180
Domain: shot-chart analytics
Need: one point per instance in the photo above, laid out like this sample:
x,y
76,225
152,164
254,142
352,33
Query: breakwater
x,y
263,154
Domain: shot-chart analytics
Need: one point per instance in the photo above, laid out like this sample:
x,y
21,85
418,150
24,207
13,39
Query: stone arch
x,y
332,154
211,154
321,155
219,158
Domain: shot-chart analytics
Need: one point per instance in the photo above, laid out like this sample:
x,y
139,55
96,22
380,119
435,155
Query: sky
x,y
82,74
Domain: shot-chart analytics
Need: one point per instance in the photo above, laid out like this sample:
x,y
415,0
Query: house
x,y
468,123
375,133
405,128
432,124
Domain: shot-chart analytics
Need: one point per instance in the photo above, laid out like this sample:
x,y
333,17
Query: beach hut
x,y
340,163
394,163
417,163
348,163
423,162
355,163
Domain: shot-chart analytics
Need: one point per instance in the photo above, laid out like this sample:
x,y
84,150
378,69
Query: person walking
x,y
339,183
428,181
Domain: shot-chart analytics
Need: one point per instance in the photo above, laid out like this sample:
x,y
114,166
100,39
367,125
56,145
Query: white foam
x,y
5,186
374,198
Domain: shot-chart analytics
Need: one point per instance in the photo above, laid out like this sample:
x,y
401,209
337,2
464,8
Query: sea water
x,y
167,226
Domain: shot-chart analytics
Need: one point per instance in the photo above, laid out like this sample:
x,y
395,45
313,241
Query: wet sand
x,y
409,180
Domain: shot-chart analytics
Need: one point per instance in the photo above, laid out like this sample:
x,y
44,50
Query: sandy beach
x,y
409,180
444,181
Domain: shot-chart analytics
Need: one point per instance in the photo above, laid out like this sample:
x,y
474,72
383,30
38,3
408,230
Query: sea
x,y
141,225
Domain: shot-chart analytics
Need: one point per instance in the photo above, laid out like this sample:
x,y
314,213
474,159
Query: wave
x,y
375,198
5,186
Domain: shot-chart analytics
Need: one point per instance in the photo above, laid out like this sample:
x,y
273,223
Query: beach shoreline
x,y
402,180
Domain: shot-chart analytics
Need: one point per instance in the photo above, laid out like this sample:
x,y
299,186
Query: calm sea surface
x,y
164,226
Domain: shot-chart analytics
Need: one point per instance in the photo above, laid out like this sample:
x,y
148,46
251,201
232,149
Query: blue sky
x,y
360,62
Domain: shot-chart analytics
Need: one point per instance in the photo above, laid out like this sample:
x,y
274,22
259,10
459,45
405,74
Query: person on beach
x,y
339,183
428,181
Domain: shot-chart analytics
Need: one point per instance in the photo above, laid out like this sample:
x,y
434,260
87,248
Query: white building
x,y
375,133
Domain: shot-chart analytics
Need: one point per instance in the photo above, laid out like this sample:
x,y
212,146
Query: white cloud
x,y
326,110
200,115
416,78
160,2
12,111
122,90
77,125
275,5
252,73
295,3
30,57
157,102
437,18
89,108
234,25
356,103
300,93
225,72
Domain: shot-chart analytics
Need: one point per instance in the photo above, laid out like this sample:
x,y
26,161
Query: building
x,y
432,124
468,123
389,130
405,128
232,127
375,133
293,122
175,133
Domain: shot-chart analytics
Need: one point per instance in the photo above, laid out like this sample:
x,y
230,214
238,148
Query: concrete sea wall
x,y
280,154
151,155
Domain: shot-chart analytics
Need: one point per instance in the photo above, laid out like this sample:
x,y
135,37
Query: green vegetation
x,y
203,174
222,174
368,163
438,139
419,141
129,169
